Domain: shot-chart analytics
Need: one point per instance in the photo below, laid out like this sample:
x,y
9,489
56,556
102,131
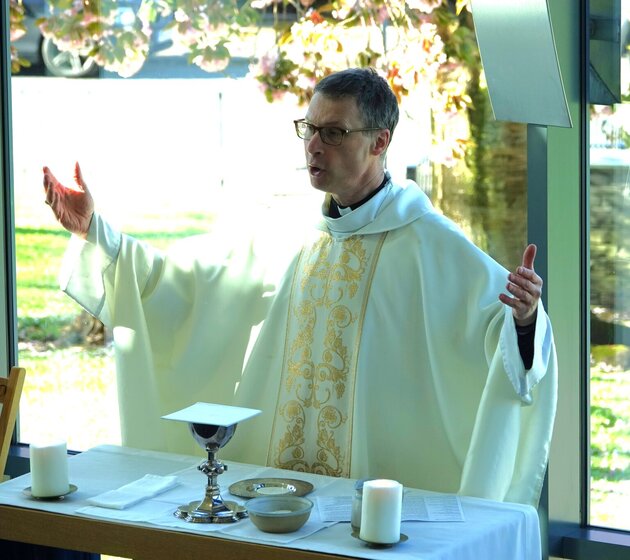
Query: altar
x,y
149,529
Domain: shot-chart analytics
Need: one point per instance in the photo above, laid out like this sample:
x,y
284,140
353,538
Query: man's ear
x,y
381,142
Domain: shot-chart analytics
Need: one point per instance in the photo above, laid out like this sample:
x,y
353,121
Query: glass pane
x,y
610,307
488,197
161,153
172,150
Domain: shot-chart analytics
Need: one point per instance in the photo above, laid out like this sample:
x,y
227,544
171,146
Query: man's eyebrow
x,y
333,124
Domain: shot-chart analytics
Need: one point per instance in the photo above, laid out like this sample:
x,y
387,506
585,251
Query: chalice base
x,y
228,512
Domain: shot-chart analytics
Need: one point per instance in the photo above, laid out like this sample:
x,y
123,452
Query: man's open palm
x,y
73,206
526,288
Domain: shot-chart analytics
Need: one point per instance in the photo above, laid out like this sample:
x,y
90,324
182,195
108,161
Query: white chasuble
x,y
312,428
377,349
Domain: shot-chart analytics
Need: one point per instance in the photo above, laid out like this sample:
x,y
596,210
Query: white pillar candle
x,y
381,511
49,469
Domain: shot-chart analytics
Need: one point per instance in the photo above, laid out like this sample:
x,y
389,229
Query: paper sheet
x,y
445,507
212,414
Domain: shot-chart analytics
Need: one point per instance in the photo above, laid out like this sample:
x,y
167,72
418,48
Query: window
x,y
609,203
161,157
146,129
168,152
610,315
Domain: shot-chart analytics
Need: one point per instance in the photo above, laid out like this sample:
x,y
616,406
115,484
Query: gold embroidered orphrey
x,y
312,429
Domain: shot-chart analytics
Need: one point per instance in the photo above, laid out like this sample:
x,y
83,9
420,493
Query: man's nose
x,y
314,144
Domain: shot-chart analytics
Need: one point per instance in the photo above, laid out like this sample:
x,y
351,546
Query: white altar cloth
x,y
490,530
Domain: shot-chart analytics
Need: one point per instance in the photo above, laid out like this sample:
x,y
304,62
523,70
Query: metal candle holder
x,y
212,509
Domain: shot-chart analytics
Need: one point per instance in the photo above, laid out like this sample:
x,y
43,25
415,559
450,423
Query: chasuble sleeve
x,y
181,321
511,410
509,447
89,267
109,270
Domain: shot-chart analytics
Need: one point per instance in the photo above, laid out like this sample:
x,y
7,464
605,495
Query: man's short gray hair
x,y
376,101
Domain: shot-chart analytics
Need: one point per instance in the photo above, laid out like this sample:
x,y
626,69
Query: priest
x,y
378,343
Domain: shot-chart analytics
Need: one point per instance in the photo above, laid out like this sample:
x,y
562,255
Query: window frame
x,y
554,190
18,456
8,311
568,287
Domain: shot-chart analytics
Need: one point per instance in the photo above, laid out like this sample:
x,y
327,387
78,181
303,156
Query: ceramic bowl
x,y
279,514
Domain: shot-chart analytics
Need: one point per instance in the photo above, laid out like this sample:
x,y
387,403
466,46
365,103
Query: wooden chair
x,y
10,392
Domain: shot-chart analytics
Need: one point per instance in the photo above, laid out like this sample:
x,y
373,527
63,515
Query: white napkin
x,y
146,487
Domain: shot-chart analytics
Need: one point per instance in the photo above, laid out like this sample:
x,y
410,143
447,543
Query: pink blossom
x,y
211,64
382,15
16,34
268,62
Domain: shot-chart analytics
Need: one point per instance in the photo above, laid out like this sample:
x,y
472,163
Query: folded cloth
x,y
146,487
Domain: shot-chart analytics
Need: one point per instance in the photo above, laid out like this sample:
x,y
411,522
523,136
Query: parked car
x,y
42,52
46,58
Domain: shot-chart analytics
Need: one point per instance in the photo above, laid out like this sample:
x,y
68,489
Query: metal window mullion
x,y
8,317
537,233
585,291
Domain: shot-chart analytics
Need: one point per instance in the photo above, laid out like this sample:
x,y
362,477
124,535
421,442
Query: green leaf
x,y
247,17
61,4
222,52
127,38
95,28
119,52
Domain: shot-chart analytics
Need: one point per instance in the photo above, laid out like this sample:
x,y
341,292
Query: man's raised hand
x,y
526,288
73,206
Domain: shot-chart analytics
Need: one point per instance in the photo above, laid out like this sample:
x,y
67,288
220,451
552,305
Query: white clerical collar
x,y
350,220
394,206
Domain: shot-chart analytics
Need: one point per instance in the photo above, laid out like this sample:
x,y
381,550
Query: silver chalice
x,y
212,427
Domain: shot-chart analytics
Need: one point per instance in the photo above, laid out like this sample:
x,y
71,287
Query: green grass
x,y
38,258
39,254
70,382
610,438
69,393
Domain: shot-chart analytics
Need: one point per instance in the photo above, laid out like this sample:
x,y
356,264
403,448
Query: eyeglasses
x,y
331,135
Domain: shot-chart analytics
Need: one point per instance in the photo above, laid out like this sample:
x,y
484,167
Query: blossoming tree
x,y
412,43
